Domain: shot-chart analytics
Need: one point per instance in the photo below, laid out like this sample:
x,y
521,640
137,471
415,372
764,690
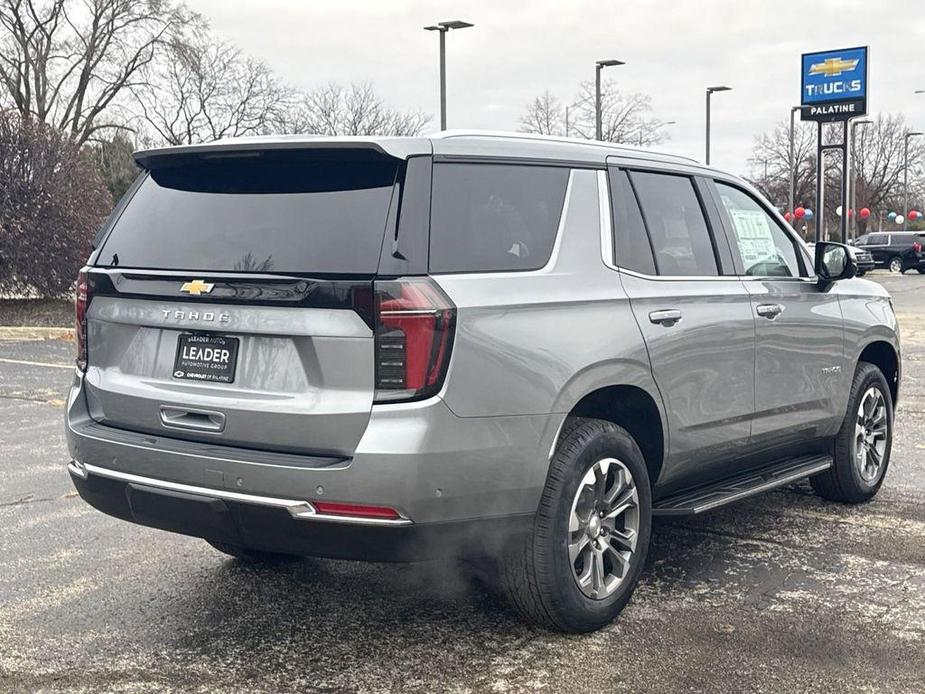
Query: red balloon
x,y
788,216
799,213
864,212
850,212
913,215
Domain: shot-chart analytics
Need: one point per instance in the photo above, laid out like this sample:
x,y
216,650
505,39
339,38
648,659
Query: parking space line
x,y
35,363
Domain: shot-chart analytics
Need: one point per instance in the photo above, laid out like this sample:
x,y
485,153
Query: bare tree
x,y
770,164
333,109
625,118
544,116
878,166
201,89
52,200
66,62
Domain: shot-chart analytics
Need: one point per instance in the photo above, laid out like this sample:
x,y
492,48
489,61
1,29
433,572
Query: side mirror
x,y
834,261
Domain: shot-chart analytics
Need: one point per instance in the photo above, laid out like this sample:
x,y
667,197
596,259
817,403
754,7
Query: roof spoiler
x,y
396,147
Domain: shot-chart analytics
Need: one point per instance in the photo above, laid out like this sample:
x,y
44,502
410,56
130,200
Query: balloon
x,y
809,214
864,212
913,215
838,210
799,212
788,216
892,215
899,219
850,212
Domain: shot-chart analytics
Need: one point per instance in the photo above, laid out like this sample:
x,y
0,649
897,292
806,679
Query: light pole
x,y
444,27
710,91
854,188
598,66
793,164
905,210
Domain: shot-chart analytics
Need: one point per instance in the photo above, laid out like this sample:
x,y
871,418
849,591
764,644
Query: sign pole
x,y
820,185
845,182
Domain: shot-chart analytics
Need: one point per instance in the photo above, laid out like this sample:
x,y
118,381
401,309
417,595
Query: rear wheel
x,y
862,445
580,565
897,265
253,556
921,270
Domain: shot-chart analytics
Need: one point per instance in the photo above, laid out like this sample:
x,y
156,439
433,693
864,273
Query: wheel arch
x,y
884,356
635,409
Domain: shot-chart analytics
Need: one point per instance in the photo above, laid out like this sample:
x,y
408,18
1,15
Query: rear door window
x,y
494,217
681,240
296,212
878,240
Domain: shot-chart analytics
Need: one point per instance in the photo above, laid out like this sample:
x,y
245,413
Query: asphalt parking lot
x,y
783,592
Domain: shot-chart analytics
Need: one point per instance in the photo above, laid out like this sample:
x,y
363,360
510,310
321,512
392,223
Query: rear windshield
x,y
286,213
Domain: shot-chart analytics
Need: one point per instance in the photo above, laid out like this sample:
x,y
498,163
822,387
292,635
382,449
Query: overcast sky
x,y
673,50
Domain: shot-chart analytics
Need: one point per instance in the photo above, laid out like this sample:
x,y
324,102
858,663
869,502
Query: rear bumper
x,y
281,525
450,478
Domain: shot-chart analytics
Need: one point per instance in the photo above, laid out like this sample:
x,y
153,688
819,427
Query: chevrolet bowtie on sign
x,y
834,85
197,287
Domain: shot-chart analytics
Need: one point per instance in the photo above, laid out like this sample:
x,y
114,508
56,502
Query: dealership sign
x,y
834,84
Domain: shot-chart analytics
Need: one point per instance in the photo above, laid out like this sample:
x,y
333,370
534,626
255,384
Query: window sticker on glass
x,y
756,242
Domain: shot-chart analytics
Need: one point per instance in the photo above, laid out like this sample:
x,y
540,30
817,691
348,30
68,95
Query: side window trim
x,y
642,215
806,270
692,179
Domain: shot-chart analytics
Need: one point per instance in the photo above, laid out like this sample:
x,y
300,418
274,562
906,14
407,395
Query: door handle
x,y
769,311
667,317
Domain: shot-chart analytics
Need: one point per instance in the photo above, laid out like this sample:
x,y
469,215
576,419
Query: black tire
x,y
861,273
536,573
921,270
896,264
253,556
843,481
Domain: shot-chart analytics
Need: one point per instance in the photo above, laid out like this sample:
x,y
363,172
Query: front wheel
x,y
896,264
862,445
580,565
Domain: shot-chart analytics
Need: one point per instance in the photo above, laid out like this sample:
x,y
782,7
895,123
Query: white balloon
x,y
838,210
899,219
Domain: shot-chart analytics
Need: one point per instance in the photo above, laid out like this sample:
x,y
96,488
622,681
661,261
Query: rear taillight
x,y
917,247
415,322
82,298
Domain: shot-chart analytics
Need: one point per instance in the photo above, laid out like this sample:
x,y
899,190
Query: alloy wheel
x,y
896,265
870,434
603,528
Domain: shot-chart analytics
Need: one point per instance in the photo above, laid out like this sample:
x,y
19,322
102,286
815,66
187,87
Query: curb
x,y
9,332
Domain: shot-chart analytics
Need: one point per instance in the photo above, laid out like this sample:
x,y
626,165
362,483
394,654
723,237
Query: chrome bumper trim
x,y
300,510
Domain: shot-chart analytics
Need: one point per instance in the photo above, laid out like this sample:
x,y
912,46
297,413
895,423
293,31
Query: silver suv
x,y
478,345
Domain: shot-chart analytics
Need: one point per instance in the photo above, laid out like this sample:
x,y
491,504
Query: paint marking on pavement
x,y
35,363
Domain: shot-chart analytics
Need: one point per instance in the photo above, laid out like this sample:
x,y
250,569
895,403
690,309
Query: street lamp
x,y
854,188
793,164
906,139
710,91
444,27
598,66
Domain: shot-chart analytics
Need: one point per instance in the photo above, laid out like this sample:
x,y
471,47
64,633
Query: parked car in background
x,y
514,347
897,251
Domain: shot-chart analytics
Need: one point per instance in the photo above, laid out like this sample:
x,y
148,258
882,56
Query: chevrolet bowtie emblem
x,y
832,67
197,287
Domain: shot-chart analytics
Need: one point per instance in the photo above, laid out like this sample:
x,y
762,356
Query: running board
x,y
741,486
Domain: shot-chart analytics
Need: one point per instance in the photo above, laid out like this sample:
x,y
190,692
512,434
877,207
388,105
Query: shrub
x,y
52,200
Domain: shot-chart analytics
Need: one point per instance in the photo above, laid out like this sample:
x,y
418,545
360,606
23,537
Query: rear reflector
x,y
356,510
415,322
